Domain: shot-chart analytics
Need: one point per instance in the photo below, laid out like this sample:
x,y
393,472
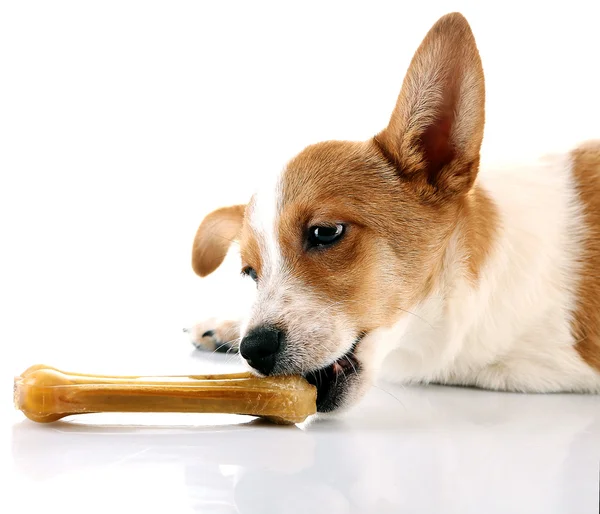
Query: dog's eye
x,y
325,235
251,272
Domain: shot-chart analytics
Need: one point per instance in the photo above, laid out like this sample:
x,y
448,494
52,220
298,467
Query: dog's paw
x,y
215,336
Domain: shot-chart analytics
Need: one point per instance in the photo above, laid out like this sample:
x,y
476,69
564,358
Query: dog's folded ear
x,y
214,237
435,132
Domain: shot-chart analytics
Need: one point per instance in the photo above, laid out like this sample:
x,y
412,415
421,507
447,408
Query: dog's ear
x,y
435,132
214,237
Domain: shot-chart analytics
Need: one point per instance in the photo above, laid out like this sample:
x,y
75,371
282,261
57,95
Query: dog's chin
x,y
339,384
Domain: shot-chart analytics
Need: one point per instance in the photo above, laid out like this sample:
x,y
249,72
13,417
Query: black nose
x,y
260,347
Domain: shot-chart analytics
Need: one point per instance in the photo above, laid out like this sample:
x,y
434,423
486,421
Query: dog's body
x,y
513,327
398,257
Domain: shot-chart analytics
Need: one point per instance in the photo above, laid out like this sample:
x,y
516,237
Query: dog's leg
x,y
215,335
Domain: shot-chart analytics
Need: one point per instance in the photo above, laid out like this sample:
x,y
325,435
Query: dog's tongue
x,y
342,365
337,368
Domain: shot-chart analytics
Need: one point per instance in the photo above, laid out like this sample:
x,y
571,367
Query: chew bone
x,y
45,394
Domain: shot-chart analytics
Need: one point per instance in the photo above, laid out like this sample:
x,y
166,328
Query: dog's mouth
x,y
333,381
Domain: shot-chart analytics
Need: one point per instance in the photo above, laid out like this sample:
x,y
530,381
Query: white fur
x,y
511,330
264,213
282,300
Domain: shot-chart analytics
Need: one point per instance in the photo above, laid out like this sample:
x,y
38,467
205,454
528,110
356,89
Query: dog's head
x,y
351,235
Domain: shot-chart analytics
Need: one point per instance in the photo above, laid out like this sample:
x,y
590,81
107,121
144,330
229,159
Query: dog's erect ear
x,y
214,237
435,132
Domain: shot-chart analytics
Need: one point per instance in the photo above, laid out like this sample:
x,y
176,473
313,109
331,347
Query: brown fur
x,y
586,321
411,205
393,244
402,194
435,132
480,224
214,236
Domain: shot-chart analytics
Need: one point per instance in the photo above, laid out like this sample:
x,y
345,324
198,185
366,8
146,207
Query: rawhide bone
x,y
45,394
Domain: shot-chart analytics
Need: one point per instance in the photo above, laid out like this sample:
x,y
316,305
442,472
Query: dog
x,y
398,258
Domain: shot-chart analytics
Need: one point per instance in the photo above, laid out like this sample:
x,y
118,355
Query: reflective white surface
x,y
415,449
122,124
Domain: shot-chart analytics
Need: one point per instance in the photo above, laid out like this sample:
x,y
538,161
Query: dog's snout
x,y
260,347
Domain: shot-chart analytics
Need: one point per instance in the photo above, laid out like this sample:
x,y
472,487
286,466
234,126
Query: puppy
x,y
399,258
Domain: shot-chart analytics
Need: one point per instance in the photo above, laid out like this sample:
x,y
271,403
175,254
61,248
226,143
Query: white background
x,y
123,123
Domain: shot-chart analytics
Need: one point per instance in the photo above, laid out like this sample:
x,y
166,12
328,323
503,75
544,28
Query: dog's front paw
x,y
215,336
